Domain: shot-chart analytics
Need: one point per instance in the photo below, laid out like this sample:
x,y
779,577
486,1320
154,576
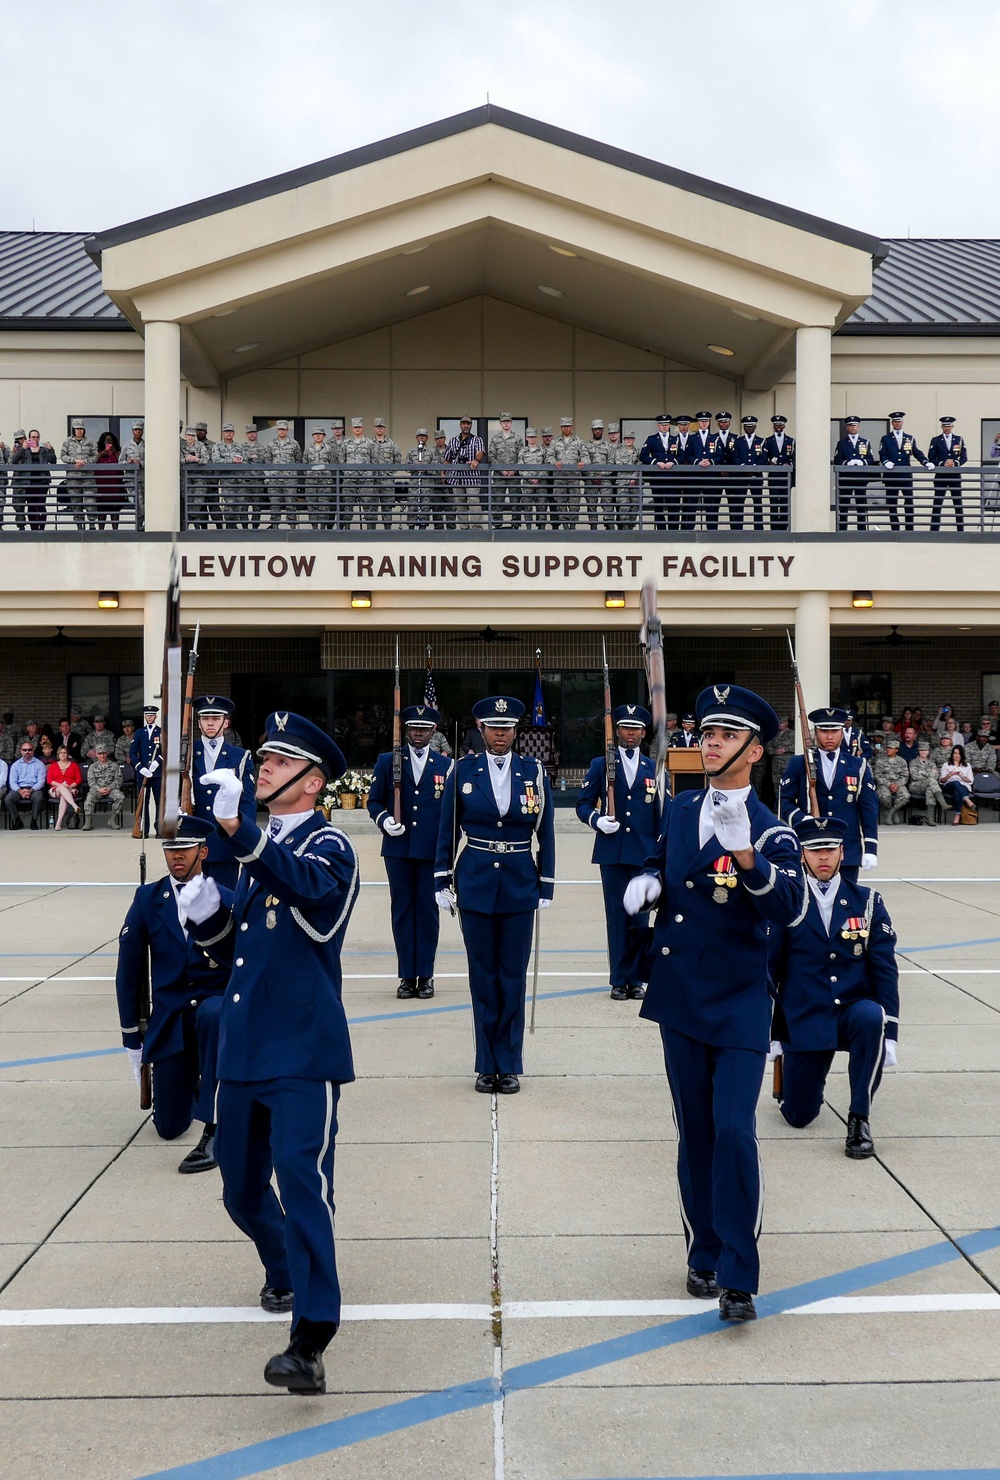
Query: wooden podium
x,y
685,768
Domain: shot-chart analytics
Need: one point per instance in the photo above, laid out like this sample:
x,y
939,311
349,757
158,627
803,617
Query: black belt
x,y
499,845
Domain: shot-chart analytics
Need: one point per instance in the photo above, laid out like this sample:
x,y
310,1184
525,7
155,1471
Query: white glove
x,y
145,771
393,828
929,466
608,824
445,899
855,462
226,802
198,900
640,893
869,860
135,1060
775,1051
544,904
888,465
731,821
889,1062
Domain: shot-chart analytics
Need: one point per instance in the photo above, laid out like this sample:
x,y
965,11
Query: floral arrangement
x,y
352,783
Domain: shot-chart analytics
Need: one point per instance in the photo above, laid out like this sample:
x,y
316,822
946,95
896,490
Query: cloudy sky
x,y
880,114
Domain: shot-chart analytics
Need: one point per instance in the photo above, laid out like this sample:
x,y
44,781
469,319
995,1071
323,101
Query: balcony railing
x,y
38,497
949,500
438,497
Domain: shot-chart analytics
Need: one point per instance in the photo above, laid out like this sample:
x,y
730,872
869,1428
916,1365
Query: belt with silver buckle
x,y
499,845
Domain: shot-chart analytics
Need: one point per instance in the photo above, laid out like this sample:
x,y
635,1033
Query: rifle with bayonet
x,y
651,642
187,726
610,753
397,748
808,754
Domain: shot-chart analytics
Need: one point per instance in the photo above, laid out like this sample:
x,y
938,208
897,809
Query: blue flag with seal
x,y
538,718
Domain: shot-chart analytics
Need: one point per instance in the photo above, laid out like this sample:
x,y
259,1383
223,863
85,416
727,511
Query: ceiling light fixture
x,y
552,292
721,349
361,600
107,601
862,600
613,600
242,349
415,292
561,251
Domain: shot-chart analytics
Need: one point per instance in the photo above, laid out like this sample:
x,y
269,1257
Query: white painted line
x,y
512,1310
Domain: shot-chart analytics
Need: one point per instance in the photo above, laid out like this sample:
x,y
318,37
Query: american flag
x,y
430,692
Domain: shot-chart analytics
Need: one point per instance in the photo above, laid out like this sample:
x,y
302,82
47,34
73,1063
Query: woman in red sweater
x,y
64,781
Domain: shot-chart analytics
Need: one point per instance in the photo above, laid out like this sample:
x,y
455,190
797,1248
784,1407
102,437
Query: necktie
x,y
274,826
498,762
419,754
629,752
823,887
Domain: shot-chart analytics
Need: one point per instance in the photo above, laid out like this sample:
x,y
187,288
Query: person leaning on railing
x,y
30,487
77,491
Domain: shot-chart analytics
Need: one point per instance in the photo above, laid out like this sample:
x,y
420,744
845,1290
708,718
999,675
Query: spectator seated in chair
x,y
64,779
956,783
26,781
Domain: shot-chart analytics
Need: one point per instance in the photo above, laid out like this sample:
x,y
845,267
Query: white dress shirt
x,y
629,767
825,896
277,827
176,886
418,760
211,749
499,766
829,760
706,823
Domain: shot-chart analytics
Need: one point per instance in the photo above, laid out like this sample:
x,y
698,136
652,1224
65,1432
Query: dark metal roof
x,y
460,123
947,285
48,281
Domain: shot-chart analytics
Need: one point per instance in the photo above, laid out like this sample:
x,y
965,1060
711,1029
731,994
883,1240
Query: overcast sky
x,y
879,114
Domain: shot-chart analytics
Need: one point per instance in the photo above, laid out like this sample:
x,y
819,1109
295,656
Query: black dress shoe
x,y
425,986
485,1084
202,1157
736,1305
17,826
859,1144
297,1370
276,1302
407,987
34,824
701,1284
619,994
636,994
508,1084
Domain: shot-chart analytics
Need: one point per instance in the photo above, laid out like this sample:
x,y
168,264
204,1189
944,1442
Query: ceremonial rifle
x,y
809,757
610,754
397,748
651,641
187,726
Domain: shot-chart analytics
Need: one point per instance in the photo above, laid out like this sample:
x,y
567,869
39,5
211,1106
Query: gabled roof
x,y
47,281
933,286
460,123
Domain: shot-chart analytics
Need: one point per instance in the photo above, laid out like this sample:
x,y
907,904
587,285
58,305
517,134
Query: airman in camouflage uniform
x,y
337,448
78,492
124,741
284,489
194,486
95,738
133,454
924,782
357,486
384,450
104,783
597,485
780,749
442,493
533,492
891,775
204,440
8,742
423,485
504,449
568,457
248,504
228,494
319,483
980,755
621,509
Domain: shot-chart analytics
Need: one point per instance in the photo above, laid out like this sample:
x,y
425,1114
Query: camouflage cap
x,y
613,428
530,432
597,423
422,432
546,431
100,717
464,418
337,423
190,431
319,431
379,421
630,436
565,421
506,416
201,426
251,426
104,745
281,426
77,421
20,433
227,426
138,423
357,421
441,433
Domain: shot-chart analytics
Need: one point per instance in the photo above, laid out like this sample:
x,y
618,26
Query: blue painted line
x,y
59,1058
341,1433
952,945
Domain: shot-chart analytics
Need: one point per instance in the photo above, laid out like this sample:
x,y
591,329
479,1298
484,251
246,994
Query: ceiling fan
x,y
896,639
60,640
488,635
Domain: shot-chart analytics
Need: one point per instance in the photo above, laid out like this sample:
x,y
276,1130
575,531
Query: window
x,y
117,696
868,694
991,690
518,426
871,430
640,425
95,425
451,427
267,434
311,423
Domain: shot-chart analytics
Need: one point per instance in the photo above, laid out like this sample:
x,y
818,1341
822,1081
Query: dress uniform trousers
x,y
416,919
715,1092
498,948
286,1126
629,939
861,1032
184,1083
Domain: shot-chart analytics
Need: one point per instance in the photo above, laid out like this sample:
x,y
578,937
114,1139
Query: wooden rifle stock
x,y
397,748
610,753
140,803
187,726
651,640
808,755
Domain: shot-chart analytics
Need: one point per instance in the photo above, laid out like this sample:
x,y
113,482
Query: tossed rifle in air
x,y
610,753
397,748
172,705
651,642
809,755
187,726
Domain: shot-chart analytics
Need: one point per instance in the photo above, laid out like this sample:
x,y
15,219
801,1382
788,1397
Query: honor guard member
x,y
724,870
186,984
410,845
856,742
686,738
284,1045
947,454
661,450
623,843
706,452
779,452
836,985
144,758
853,451
499,800
746,451
898,453
845,788
213,752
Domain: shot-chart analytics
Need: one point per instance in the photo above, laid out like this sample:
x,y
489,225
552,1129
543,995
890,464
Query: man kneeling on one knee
x,y
181,1041
836,985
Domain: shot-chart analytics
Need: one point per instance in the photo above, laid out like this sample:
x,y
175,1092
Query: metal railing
x,y
437,496
38,497
949,500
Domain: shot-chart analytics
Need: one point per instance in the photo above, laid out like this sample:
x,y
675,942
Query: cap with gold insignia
x,y
421,714
214,704
298,738
820,832
736,708
632,714
831,718
500,710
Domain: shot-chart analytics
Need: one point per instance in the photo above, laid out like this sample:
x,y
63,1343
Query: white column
x,y
812,649
163,407
154,617
811,496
